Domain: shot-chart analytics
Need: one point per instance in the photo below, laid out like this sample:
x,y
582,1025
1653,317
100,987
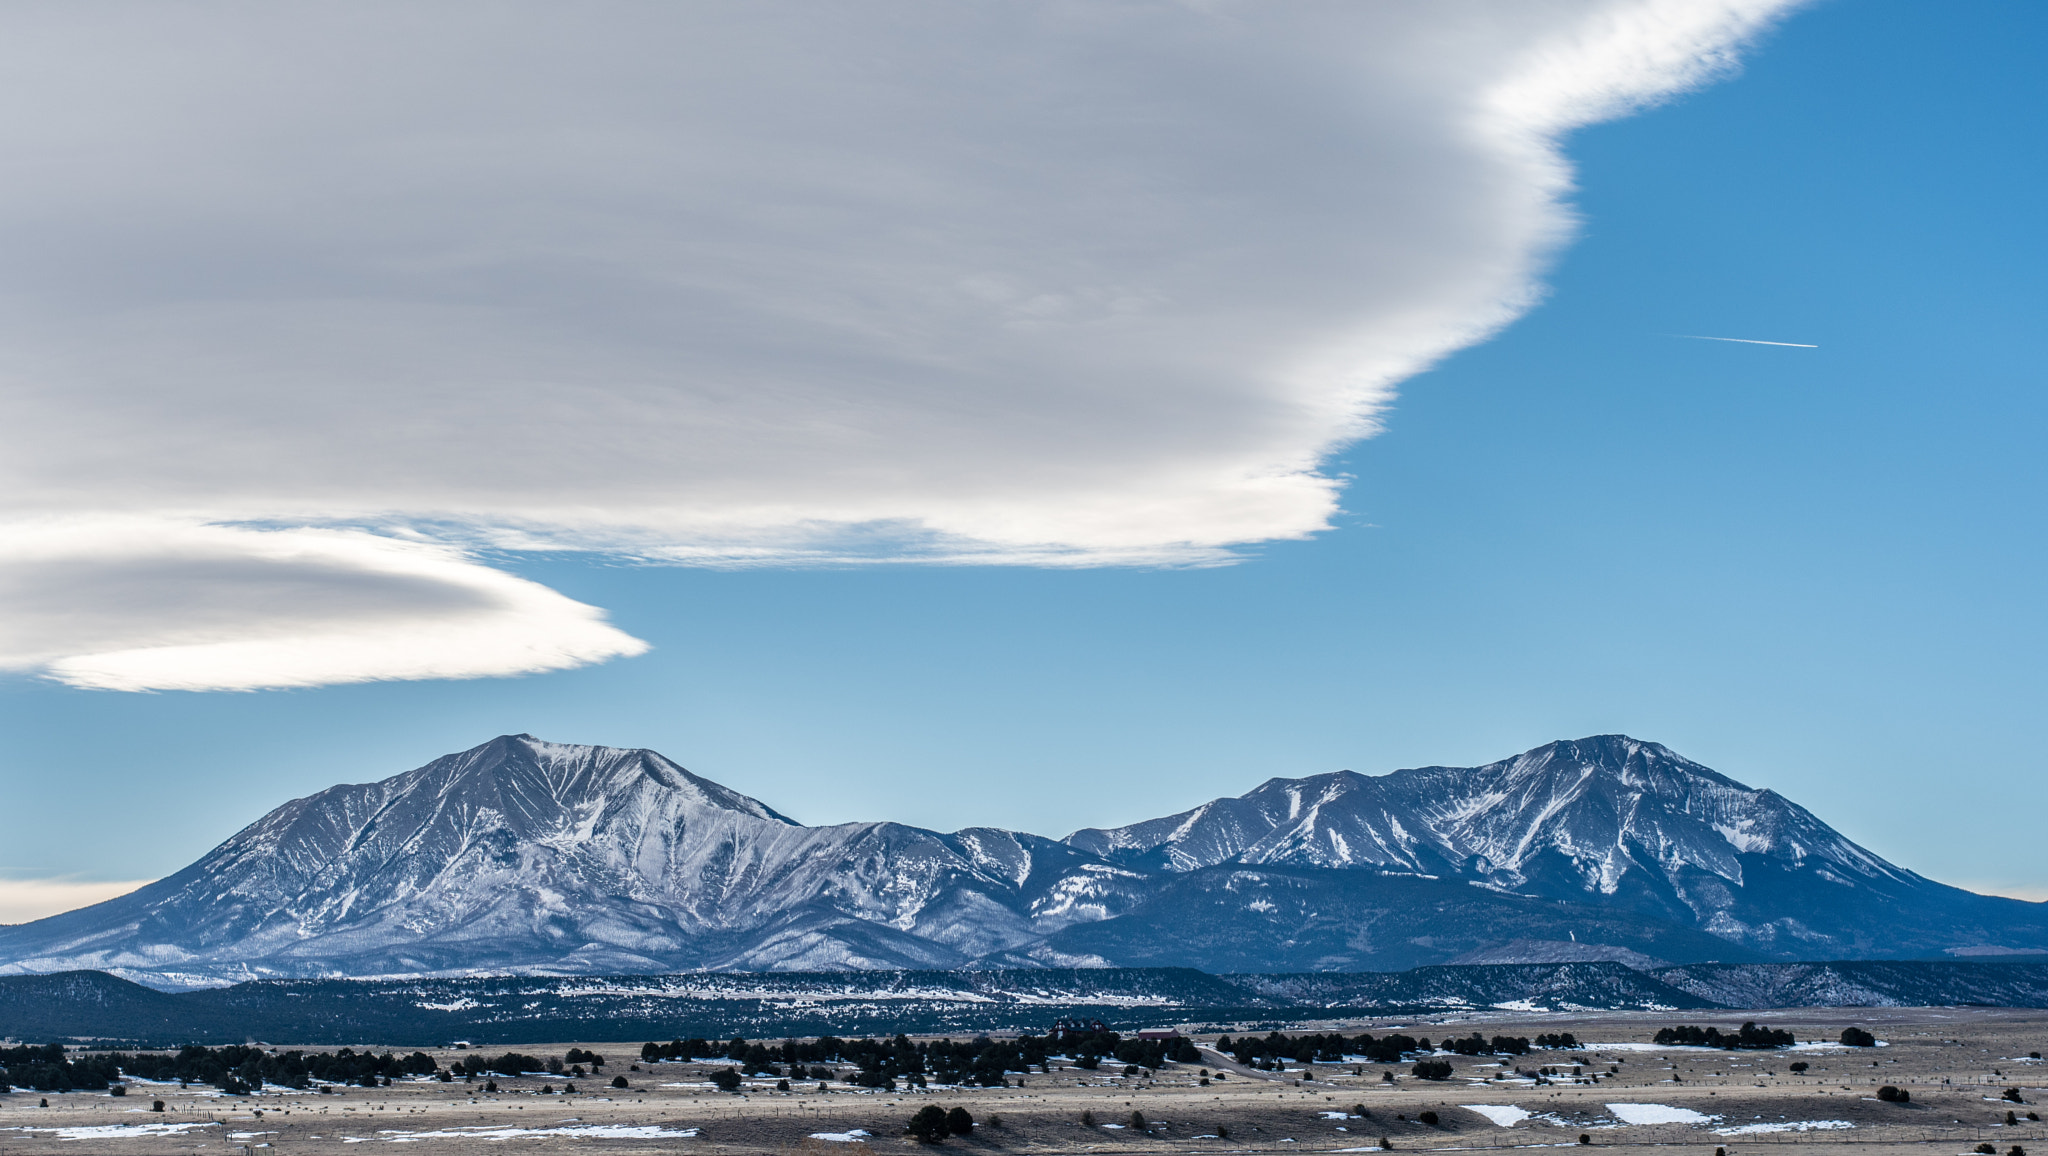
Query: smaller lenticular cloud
x,y
1746,341
136,603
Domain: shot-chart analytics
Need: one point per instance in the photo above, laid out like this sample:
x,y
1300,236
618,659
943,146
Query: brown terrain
x,y
1957,1063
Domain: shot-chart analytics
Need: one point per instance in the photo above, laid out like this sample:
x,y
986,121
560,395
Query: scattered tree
x,y
929,1125
1137,1122
1858,1038
1427,1117
1891,1095
1432,1069
959,1123
619,1082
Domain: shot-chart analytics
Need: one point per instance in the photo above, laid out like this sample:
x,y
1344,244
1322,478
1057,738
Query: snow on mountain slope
x,y
1608,805
532,855
1609,819
543,858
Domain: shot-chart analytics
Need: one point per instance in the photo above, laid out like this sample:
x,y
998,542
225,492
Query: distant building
x,y
1160,1034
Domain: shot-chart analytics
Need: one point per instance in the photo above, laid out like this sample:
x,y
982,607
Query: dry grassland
x,y
1955,1062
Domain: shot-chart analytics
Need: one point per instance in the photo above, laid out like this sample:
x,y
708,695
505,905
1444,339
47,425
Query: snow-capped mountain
x,y
1610,817
536,857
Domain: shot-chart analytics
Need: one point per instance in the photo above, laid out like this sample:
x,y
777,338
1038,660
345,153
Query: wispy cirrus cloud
x,y
1046,284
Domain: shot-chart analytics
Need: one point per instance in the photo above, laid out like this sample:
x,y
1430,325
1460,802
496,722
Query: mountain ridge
x,y
525,856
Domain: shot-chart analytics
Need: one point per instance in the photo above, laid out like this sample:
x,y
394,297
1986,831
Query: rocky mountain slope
x,y
523,856
1612,823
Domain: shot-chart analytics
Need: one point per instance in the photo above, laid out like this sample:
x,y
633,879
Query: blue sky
x,y
1816,570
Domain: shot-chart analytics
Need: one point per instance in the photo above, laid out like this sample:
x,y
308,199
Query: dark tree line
x,y
235,1068
1749,1036
881,1063
46,1068
1478,1045
1256,1052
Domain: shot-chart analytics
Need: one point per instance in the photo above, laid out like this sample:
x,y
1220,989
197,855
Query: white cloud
x,y
24,900
147,604
1044,283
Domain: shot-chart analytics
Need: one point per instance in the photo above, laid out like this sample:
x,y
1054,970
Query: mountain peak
x,y
575,773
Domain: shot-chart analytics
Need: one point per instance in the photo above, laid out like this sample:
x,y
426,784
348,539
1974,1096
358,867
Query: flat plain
x,y
1619,1091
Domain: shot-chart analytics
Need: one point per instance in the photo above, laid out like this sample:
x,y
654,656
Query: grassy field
x,y
1626,1095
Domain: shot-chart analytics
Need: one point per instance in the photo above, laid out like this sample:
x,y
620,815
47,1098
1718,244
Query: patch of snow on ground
x,y
1787,1126
856,1136
1657,1114
1502,1115
118,1131
579,1132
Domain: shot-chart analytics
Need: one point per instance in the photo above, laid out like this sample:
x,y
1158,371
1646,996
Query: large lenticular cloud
x,y
1039,283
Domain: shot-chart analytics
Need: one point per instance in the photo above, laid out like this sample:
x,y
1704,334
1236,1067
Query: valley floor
x,y
1956,1062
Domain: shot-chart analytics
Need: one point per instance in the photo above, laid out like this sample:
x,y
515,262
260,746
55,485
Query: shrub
x,y
1432,1069
1429,1118
2012,1094
1858,1038
727,1079
1985,1150
1891,1095
1137,1122
1087,1118
1797,1066
959,1123
929,1125
1585,1139
619,1082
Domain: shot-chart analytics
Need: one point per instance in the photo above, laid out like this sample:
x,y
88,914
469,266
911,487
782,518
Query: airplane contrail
x,y
1746,341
